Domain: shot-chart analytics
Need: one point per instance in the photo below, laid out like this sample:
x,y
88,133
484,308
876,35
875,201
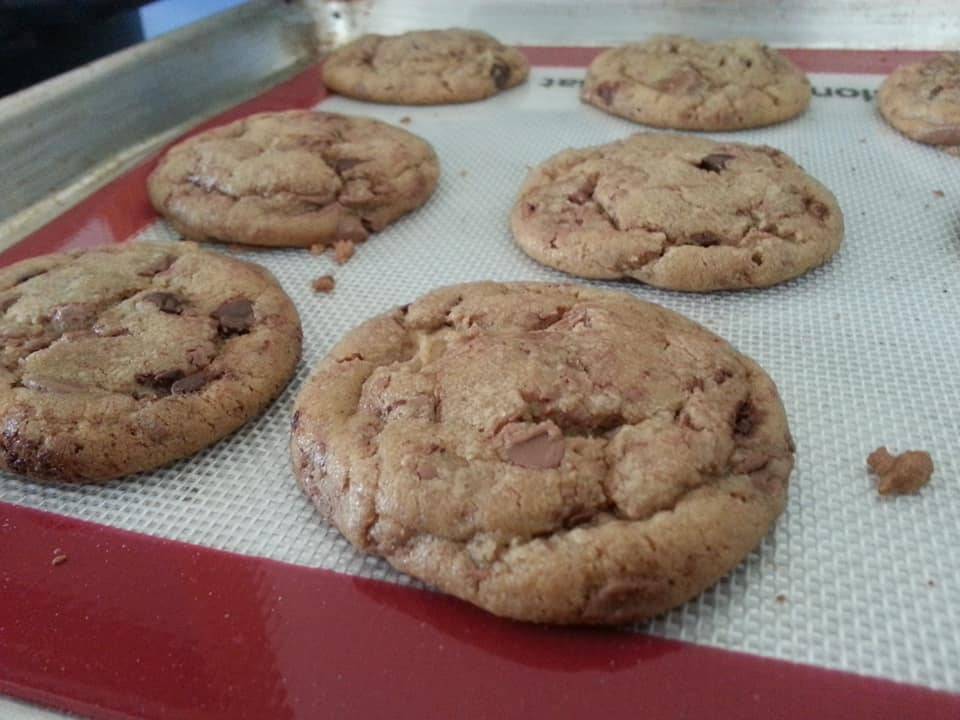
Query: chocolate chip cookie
x,y
293,179
125,358
677,212
684,84
922,100
427,67
550,453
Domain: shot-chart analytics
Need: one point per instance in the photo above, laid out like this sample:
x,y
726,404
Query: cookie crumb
x,y
931,583
406,120
463,173
343,250
938,193
781,599
900,474
59,559
324,284
318,249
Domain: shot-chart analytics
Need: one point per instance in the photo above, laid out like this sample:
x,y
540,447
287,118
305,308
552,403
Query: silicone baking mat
x,y
865,351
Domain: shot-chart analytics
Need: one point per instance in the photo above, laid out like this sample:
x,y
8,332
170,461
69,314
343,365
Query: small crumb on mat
x,y
324,284
900,474
938,193
318,249
343,250
781,598
405,120
463,173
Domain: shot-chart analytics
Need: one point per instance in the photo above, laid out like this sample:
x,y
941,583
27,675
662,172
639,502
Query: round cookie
x,y
293,179
922,100
684,84
677,212
126,358
551,453
426,67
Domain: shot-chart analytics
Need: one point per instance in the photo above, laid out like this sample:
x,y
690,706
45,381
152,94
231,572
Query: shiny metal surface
x,y
863,24
62,139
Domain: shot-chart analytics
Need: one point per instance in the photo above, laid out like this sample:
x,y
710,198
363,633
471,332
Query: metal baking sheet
x,y
865,351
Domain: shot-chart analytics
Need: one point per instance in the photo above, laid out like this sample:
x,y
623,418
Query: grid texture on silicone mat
x,y
865,351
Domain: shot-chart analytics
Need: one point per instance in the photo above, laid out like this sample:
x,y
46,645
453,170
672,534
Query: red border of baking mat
x,y
114,624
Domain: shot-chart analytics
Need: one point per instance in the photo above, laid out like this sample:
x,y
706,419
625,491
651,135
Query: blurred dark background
x,y
43,38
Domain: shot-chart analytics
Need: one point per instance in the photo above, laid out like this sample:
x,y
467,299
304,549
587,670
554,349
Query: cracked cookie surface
x,y
293,179
126,358
684,84
677,212
550,453
425,67
922,100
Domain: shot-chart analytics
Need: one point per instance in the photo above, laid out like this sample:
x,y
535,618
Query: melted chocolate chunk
x,y
500,74
165,302
344,164
606,91
161,381
190,383
745,420
234,317
72,317
715,162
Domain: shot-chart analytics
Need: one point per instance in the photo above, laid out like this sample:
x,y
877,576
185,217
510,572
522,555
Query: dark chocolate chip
x,y
500,74
606,91
744,420
706,239
190,383
161,381
165,302
936,91
816,208
234,317
344,164
715,162
72,317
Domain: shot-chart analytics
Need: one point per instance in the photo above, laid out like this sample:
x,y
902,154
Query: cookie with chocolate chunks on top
x,y
922,100
685,84
293,179
425,67
122,359
677,212
551,453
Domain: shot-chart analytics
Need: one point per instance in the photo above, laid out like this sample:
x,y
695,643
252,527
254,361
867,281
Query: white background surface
x,y
865,351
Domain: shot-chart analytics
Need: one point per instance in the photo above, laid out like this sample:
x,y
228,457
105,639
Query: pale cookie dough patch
x,y
677,212
684,84
922,100
548,452
426,67
293,179
125,358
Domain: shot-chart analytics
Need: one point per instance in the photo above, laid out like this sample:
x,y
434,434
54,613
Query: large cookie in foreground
x,y
684,84
548,452
126,358
677,212
425,67
922,100
293,179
